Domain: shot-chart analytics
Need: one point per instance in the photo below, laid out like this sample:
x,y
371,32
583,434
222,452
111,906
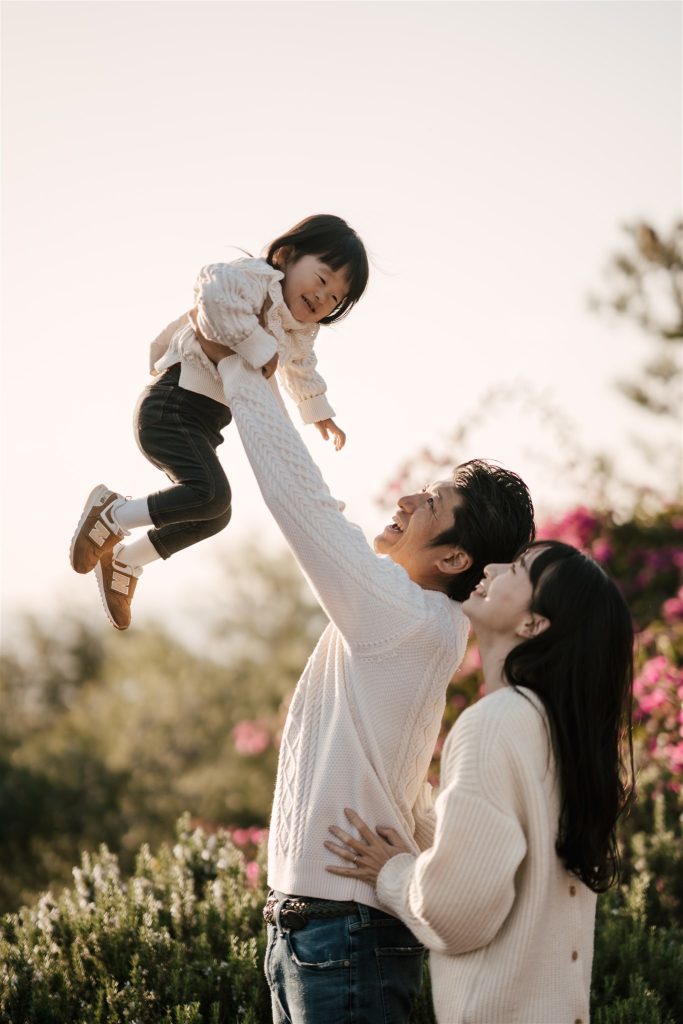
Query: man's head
x,y
445,535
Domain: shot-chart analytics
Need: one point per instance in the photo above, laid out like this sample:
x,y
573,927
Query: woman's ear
x,y
533,625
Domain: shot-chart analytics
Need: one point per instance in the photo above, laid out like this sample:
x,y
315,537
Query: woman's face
x,y
501,602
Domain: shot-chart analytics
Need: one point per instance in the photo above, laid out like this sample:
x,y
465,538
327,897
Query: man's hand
x,y
212,349
327,427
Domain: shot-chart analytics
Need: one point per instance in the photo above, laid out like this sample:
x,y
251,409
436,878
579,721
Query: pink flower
x,y
602,550
674,752
654,670
250,738
673,608
577,527
253,872
240,836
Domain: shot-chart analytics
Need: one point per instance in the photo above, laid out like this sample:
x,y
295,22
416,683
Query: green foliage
x,y
109,737
180,941
637,967
645,285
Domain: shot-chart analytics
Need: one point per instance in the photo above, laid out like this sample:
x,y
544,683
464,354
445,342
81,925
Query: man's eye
x,y
430,502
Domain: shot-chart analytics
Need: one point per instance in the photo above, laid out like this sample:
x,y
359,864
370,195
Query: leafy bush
x,y
182,942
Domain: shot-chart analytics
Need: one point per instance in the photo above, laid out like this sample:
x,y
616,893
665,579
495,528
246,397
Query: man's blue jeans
x,y
365,968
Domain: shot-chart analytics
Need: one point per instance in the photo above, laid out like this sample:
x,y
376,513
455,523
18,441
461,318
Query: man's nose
x,y
409,502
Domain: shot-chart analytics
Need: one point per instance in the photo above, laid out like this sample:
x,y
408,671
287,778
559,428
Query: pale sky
x,y
486,152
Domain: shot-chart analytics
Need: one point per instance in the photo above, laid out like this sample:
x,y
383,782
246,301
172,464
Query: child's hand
x,y
269,368
327,427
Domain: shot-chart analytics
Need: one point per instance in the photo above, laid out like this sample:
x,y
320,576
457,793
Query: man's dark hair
x,y
494,522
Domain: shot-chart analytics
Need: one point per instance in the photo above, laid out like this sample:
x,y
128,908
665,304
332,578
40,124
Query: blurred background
x,y
515,171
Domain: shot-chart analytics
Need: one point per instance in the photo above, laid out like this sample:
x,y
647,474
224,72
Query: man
x,y
366,712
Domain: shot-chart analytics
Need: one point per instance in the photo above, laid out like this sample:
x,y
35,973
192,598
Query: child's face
x,y
311,289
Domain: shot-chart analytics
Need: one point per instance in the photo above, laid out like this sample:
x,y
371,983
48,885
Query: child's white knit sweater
x,y
511,931
241,305
365,715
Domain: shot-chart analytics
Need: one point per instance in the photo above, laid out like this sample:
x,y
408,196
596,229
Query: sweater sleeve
x,y
456,896
160,344
306,387
425,817
228,300
372,601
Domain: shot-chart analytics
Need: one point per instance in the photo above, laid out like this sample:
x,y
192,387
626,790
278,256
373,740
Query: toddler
x,y
266,310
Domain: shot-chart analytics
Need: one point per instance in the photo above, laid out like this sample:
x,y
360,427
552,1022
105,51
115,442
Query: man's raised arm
x,y
371,600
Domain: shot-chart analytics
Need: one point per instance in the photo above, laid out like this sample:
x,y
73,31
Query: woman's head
x,y
574,649
325,266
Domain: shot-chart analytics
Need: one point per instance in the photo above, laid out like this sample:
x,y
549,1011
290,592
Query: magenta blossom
x,y
250,738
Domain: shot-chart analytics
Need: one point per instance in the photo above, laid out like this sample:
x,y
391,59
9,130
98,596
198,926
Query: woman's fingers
x,y
353,844
340,851
358,823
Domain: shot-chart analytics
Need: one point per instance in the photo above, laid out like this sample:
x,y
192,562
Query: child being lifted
x,y
266,310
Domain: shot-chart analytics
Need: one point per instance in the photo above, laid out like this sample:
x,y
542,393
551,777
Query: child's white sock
x,y
140,552
131,512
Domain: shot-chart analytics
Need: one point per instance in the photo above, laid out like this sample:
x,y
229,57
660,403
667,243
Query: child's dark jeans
x,y
179,431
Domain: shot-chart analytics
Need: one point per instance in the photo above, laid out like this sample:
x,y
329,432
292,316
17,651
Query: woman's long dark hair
x,y
581,667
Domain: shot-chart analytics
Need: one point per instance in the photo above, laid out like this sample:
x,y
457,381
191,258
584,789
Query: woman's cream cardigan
x,y
511,931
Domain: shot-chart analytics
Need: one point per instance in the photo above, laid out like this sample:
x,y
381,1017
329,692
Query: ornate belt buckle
x,y
292,919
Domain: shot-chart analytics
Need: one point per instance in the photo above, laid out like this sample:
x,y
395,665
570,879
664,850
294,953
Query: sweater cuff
x,y
315,409
257,348
393,882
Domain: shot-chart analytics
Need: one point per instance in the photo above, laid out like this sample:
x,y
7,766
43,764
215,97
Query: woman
x,y
532,785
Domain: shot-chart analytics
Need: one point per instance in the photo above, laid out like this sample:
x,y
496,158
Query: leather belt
x,y
296,912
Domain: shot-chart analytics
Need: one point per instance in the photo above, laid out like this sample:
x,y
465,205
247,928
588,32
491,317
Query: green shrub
x,y
182,942
637,967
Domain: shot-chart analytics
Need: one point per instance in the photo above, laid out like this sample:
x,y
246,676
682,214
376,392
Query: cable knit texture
x,y
365,715
241,305
511,931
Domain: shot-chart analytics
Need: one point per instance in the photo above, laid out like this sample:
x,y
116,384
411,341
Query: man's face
x,y
419,519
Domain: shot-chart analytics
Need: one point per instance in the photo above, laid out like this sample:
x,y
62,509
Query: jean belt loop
x,y
363,914
278,927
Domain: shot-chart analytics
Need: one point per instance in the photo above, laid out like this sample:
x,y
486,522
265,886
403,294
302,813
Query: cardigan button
x,y
575,955
572,890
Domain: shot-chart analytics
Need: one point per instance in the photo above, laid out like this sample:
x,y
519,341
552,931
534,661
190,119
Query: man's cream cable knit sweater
x,y
365,715
511,931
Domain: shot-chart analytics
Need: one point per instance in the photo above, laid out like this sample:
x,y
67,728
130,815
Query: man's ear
x,y
454,561
533,625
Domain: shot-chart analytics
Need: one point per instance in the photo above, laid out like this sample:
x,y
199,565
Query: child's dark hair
x,y
336,244
581,667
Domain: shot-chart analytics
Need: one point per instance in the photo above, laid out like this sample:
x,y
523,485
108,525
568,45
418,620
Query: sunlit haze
x,y
487,153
